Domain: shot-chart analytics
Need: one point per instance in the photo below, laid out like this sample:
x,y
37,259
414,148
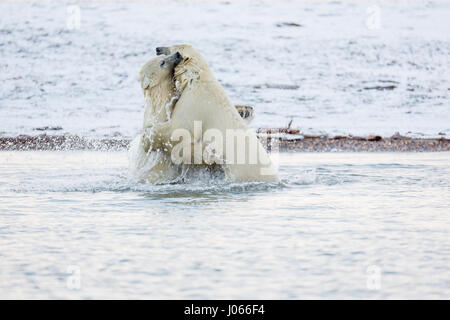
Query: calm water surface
x,y
338,226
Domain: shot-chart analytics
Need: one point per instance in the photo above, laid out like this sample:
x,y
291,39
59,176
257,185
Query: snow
x,y
86,80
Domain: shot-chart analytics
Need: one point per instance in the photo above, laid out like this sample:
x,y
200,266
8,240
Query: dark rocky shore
x,y
395,143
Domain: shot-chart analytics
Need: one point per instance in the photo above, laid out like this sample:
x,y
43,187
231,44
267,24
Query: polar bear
x,y
159,90
204,107
149,159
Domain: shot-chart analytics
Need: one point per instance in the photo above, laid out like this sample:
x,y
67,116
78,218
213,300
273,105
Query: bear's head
x,y
186,50
157,84
159,70
188,53
192,65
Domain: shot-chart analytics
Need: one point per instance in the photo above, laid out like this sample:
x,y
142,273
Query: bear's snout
x,y
176,58
162,50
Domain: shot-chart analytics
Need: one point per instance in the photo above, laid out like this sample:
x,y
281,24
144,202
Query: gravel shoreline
x,y
285,144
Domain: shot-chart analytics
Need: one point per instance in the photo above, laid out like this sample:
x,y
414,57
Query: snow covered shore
x,y
334,68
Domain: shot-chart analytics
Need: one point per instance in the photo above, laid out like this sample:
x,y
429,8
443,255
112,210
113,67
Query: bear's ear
x,y
146,82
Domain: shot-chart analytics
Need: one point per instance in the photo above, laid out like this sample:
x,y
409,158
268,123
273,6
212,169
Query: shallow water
x,y
321,74
338,226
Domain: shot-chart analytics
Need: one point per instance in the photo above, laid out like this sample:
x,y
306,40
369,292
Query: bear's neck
x,y
159,102
189,71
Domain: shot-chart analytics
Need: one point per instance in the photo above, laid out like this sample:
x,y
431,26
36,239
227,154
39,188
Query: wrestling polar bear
x,y
201,116
147,163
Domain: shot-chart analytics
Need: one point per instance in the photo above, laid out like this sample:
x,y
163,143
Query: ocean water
x,y
73,66
339,225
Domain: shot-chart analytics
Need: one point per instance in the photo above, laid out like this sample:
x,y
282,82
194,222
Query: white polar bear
x,y
149,159
204,107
